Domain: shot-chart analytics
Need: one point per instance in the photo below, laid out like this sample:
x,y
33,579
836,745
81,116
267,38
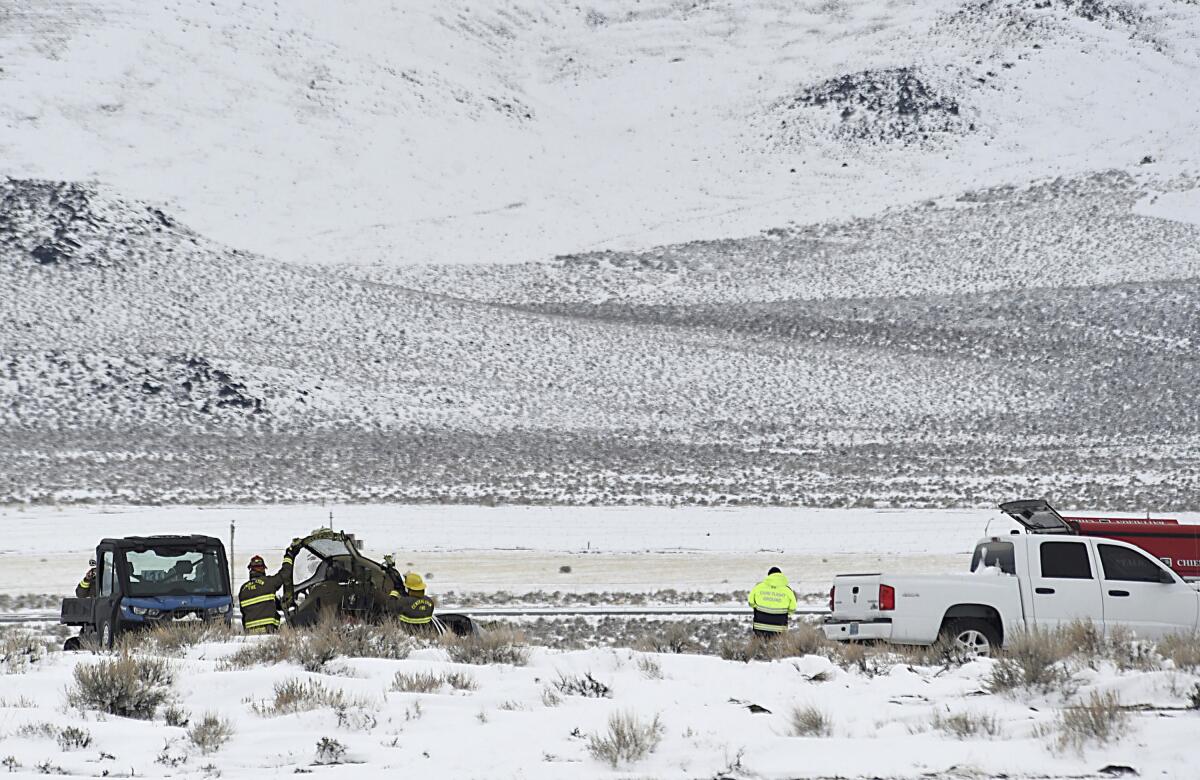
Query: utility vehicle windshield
x,y
173,572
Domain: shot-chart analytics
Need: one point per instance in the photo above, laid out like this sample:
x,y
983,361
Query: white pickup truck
x,y
1023,580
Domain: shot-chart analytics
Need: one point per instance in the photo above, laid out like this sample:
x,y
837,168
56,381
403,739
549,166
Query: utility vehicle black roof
x,y
195,540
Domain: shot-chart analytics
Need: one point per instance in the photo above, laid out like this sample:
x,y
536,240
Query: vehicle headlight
x,y
145,611
218,611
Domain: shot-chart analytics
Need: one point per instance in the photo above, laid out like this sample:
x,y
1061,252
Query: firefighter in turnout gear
x,y
773,601
86,588
260,608
414,609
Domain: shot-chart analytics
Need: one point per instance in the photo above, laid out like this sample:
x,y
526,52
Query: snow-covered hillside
x,y
144,362
967,267
380,132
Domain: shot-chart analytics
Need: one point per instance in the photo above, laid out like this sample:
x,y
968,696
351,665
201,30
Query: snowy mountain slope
x,y
144,362
387,132
1091,230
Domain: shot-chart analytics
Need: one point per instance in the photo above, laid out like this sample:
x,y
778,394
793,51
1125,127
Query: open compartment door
x,y
1037,516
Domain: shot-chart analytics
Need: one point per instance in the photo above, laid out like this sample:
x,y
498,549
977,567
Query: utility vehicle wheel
x,y
971,637
107,634
73,644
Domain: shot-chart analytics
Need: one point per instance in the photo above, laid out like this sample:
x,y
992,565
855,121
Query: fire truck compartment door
x,y
1037,516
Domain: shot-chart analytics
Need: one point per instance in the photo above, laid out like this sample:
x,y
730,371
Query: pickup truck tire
x,y
972,637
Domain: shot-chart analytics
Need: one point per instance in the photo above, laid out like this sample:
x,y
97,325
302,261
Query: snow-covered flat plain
x,y
45,549
522,548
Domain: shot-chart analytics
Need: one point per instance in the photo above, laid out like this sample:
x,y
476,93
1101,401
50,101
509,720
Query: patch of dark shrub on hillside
x,y
893,105
1034,18
55,223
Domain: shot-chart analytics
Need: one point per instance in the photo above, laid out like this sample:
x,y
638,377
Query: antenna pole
x,y
331,521
232,565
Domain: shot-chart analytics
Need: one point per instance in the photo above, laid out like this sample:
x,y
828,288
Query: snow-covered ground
x,y
886,716
889,719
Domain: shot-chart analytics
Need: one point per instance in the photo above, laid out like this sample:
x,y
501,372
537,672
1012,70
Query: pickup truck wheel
x,y
971,637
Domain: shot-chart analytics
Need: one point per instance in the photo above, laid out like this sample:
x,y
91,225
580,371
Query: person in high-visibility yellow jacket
x,y
86,588
260,609
773,601
414,609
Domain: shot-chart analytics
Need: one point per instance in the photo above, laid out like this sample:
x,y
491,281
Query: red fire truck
x,y
1175,544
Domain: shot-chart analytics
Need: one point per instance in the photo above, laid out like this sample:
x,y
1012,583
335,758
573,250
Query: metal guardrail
x,y
549,612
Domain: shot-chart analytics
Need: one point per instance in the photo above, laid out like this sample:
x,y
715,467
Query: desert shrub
x,y
20,650
461,681
744,650
967,724
330,751
356,718
627,740
809,722
675,637
501,646
43,730
1183,650
649,667
1128,652
943,652
175,638
11,763
314,649
74,738
550,697
176,716
1033,659
801,639
263,651
863,658
1100,719
1086,638
128,686
1194,697
211,733
431,682
296,695
586,686
417,682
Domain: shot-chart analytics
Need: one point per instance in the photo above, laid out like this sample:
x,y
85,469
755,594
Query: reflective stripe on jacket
x,y
257,600
84,589
412,610
772,601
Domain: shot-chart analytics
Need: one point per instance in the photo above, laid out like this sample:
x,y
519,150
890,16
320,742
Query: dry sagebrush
x,y
124,685
627,740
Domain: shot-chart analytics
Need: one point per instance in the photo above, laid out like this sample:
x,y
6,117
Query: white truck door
x,y
1063,583
1142,594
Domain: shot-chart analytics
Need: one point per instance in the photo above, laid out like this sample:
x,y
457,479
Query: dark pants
x,y
766,635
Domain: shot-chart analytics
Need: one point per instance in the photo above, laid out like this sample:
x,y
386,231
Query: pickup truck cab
x,y
1036,579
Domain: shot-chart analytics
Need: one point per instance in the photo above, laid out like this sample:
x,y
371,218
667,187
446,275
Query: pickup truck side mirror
x,y
1165,577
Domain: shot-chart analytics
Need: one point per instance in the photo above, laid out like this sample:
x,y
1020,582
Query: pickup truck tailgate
x,y
856,596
